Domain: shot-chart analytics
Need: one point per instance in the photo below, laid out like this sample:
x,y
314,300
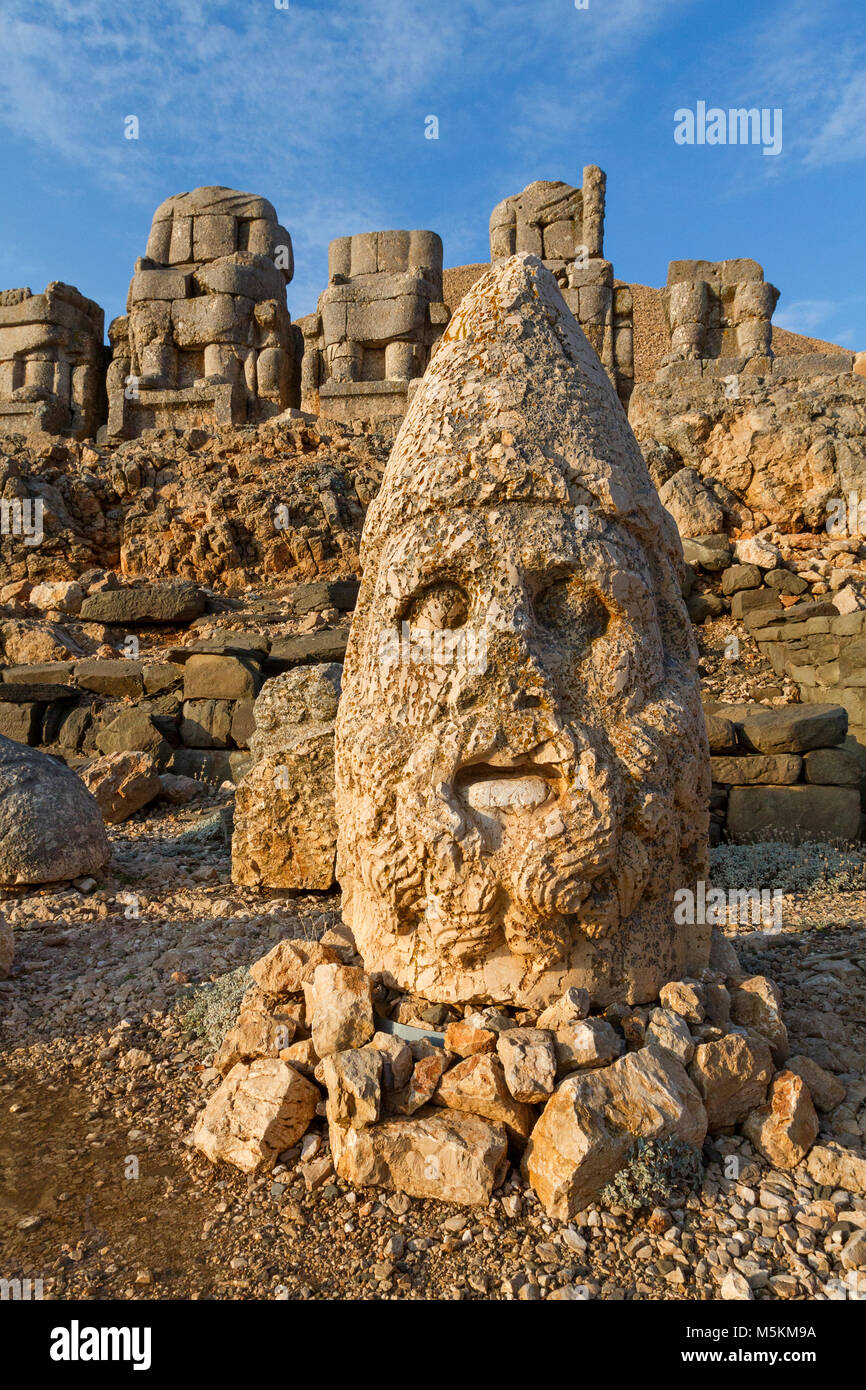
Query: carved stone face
x,y
520,750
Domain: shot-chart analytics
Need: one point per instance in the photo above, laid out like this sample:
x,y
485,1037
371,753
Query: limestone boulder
x,y
757,1003
570,1007
478,1085
263,1029
122,783
290,965
825,1089
257,1112
592,1042
341,1008
447,1155
795,728
528,1057
670,1032
467,1038
353,1080
732,1075
178,603
786,1127
692,504
832,1165
51,827
591,1121
284,827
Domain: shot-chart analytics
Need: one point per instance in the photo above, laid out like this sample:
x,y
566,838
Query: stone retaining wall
x,y
782,773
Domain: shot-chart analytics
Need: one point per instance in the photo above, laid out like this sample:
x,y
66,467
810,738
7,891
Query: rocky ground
x,y
101,1079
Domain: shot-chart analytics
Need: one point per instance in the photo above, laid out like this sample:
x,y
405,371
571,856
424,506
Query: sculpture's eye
x,y
442,605
569,607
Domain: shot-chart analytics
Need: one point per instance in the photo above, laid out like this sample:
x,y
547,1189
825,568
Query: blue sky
x,y
321,107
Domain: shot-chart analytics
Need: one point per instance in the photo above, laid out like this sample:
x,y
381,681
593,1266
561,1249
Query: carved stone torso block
x,y
375,324
207,338
51,362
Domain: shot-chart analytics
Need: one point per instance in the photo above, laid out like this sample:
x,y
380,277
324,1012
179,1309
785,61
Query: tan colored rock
x,y
571,1007
757,1003
122,783
786,1127
291,965
832,1165
466,1039
520,788
426,1075
284,829
478,1086
302,1056
684,997
397,1060
341,1013
591,1043
257,1112
669,1030
825,1089
528,1058
259,1032
732,1075
450,1156
353,1080
589,1124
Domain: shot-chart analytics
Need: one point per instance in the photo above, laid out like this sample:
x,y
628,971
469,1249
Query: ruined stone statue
x,y
565,227
51,362
375,324
207,338
719,311
522,771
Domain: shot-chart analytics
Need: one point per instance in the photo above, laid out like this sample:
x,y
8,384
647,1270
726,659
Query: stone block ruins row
x,y
207,338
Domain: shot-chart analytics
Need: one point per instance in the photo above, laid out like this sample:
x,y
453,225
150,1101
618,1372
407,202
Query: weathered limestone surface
x,y
522,766
206,338
375,324
52,364
564,227
51,828
444,1154
258,1111
284,828
718,310
591,1121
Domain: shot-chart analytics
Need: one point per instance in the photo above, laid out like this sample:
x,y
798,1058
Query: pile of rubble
x,y
562,1094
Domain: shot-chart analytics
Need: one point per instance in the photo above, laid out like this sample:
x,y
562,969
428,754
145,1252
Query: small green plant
x,y
653,1171
210,1010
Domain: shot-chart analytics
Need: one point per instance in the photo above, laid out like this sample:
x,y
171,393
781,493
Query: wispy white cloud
x,y
806,315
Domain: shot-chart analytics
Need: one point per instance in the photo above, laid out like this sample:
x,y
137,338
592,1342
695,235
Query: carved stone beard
x,y
464,879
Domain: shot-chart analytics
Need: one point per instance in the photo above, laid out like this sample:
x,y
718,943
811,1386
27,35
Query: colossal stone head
x,y
522,767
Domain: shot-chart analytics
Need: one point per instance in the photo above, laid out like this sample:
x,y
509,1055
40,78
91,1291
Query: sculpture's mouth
x,y
500,788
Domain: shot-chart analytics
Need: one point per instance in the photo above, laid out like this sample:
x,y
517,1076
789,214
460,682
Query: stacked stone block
x,y
782,773
375,324
207,338
719,313
564,226
52,362
824,653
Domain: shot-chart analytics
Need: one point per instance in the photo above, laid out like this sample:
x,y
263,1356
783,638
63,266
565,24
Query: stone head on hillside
x,y
207,338
521,765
